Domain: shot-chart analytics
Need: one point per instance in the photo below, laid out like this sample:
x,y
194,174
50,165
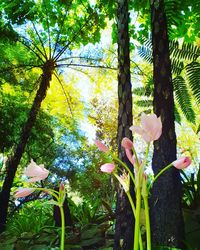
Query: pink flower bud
x,y
23,192
127,143
181,163
62,186
107,168
101,146
129,155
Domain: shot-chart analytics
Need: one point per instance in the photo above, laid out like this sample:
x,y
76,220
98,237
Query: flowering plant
x,y
38,173
150,130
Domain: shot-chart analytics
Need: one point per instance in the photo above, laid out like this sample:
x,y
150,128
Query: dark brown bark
x,y
166,215
14,160
124,220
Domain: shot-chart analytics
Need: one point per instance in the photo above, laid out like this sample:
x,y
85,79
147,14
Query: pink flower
x,y
101,146
37,173
107,168
129,155
23,192
181,163
127,143
150,129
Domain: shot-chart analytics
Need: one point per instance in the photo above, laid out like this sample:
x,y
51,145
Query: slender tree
x,y
51,48
166,216
124,220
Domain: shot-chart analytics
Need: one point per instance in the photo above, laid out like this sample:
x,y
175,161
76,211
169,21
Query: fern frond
x,y
147,90
183,98
176,66
144,103
177,115
145,53
171,7
142,91
193,74
188,51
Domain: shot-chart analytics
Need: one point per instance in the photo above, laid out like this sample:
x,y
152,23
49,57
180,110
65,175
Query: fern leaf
x,y
183,98
177,115
177,66
144,103
188,51
171,7
193,74
145,53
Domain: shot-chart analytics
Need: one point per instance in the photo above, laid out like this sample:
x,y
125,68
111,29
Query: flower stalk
x,y
150,130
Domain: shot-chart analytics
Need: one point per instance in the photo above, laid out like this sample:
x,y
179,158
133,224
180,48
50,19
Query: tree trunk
x,y
124,218
14,160
166,216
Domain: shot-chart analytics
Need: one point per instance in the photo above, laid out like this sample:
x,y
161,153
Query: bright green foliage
x,y
182,18
185,70
183,98
31,219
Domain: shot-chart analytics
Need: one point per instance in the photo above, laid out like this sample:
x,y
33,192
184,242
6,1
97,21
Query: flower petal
x,y
127,143
101,146
107,168
137,129
129,155
182,162
23,192
37,172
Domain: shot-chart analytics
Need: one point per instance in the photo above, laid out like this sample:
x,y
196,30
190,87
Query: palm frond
x,y
183,98
193,74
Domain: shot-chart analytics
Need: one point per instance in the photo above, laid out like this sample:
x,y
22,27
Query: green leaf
x,y
193,74
183,98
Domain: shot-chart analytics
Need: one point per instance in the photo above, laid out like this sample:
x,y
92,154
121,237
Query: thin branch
x,y
27,46
31,41
59,33
40,39
58,36
84,73
67,45
68,102
139,68
78,57
84,65
48,28
20,66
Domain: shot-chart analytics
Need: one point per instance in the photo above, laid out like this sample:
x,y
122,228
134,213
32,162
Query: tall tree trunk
x,y
124,220
14,160
166,216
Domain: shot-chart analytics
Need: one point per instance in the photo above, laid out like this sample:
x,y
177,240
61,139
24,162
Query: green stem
x,y
147,219
141,170
134,212
137,217
156,177
62,243
126,167
51,191
136,157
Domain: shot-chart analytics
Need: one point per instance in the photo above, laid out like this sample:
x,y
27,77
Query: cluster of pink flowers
x,y
150,130
37,173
